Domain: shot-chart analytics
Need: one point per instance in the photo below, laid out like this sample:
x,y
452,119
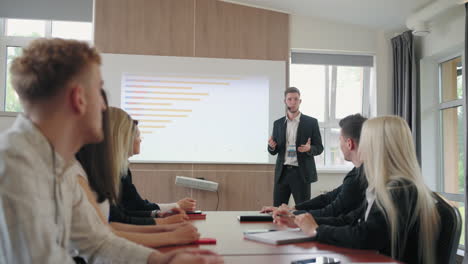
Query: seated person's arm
x,y
147,236
320,201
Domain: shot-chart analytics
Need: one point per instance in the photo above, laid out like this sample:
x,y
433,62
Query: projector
x,y
196,183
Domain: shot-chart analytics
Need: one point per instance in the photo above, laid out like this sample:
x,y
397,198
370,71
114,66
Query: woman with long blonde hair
x,y
399,217
125,142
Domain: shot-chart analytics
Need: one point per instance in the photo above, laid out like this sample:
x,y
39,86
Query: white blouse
x,y
104,206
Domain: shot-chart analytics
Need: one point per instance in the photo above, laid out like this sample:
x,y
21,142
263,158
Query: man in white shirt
x,y
43,211
296,139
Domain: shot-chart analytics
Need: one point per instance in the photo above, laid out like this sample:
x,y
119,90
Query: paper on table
x,y
280,237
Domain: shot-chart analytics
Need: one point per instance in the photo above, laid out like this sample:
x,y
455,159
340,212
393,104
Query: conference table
x,y
228,231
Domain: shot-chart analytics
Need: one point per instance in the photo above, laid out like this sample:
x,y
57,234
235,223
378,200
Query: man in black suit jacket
x,y
348,196
296,139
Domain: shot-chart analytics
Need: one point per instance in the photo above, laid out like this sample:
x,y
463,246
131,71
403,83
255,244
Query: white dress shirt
x,y
45,211
370,197
290,157
104,207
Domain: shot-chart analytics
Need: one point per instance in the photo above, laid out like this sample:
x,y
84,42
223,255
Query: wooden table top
x,y
228,232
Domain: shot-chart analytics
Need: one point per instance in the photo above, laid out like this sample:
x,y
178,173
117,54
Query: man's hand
x,y
268,209
305,147
271,143
185,256
283,217
187,204
307,224
285,206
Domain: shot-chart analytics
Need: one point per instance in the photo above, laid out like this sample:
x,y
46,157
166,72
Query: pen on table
x,y
286,215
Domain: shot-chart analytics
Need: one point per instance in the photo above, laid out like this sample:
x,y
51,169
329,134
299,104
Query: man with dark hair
x,y
43,209
351,193
296,139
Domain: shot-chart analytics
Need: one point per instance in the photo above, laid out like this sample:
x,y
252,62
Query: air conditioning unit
x,y
196,183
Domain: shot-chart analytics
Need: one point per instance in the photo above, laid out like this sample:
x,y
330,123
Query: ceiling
x,y
377,14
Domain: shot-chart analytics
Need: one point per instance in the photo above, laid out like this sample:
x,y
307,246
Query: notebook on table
x,y
255,218
280,237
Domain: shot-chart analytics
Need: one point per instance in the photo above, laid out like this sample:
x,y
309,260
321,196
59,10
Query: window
x,y
25,28
332,87
452,140
12,103
18,33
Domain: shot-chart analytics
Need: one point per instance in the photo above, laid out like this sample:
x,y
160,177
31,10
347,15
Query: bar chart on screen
x,y
169,104
201,110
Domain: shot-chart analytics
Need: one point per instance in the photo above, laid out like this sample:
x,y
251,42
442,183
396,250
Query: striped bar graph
x,y
163,98
156,115
155,100
182,82
169,93
158,109
144,103
144,126
154,121
160,87
186,77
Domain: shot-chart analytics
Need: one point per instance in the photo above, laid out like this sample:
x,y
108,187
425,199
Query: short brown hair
x,y
351,126
291,90
47,65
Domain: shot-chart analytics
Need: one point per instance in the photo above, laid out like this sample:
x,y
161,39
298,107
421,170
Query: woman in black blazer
x,y
399,217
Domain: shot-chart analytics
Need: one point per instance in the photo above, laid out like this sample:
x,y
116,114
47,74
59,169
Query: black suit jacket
x,y
308,128
342,200
353,231
131,199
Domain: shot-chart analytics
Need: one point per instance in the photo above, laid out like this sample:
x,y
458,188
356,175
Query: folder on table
x,y
280,237
255,218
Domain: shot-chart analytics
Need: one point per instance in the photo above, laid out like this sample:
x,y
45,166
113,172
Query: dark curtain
x,y
405,90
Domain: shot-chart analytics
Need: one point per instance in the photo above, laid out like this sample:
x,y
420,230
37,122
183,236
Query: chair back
x,y
450,230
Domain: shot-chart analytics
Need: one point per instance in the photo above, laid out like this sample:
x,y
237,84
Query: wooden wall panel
x,y
201,28
149,27
241,187
225,30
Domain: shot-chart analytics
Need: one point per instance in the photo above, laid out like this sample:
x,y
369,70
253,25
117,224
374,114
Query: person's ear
x,y
78,98
350,143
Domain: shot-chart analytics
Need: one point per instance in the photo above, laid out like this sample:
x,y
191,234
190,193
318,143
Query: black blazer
x,y
342,200
308,128
118,214
130,198
353,231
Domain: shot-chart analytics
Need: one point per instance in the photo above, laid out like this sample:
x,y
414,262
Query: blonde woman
x,y
132,209
399,217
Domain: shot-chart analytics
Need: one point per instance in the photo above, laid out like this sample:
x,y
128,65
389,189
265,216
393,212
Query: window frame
x,y
440,180
441,107
330,121
16,41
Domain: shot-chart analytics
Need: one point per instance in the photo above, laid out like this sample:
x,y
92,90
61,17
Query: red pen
x,y
205,241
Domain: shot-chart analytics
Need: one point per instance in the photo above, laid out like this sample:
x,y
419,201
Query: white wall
x,y
318,34
445,41
447,32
